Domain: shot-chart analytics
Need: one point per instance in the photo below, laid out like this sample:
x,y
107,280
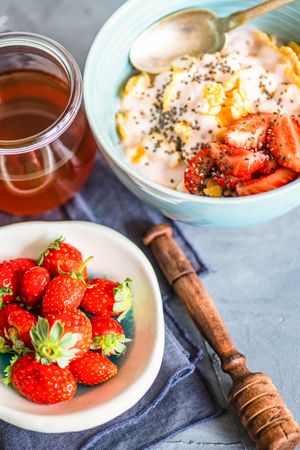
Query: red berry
x,y
74,322
107,298
236,162
266,183
11,273
4,314
284,142
9,284
45,384
33,285
19,324
197,170
270,166
21,265
92,368
249,132
108,336
63,292
60,256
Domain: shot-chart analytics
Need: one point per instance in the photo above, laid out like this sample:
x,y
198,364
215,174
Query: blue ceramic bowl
x,y
106,69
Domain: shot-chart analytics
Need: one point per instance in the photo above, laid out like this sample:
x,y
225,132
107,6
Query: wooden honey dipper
x,y
253,396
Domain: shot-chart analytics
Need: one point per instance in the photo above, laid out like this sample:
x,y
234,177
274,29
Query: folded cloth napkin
x,y
179,396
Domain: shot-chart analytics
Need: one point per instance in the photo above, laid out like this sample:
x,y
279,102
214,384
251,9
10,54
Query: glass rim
x,y
65,59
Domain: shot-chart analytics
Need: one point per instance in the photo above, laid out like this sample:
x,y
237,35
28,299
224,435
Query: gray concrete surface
x,y
255,272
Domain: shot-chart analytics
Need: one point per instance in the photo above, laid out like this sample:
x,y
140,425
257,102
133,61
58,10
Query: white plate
x,y
119,258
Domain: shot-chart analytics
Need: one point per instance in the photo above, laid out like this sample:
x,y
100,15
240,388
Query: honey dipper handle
x,y
193,295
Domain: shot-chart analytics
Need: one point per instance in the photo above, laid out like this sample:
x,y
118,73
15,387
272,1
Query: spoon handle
x,y
239,18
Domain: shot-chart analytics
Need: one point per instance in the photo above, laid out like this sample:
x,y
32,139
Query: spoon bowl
x,y
181,35
191,32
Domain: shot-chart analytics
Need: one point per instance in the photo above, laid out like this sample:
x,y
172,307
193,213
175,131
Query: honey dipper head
x,y
263,413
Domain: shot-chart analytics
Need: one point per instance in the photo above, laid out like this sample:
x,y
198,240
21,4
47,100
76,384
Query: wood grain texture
x,y
253,396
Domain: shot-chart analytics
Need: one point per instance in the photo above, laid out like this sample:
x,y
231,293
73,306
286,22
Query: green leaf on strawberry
x,y
18,346
8,369
3,292
110,344
4,348
54,245
53,346
123,299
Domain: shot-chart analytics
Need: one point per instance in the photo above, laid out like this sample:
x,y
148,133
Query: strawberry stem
x,y
84,264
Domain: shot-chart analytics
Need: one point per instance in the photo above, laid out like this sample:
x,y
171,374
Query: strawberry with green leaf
x,y
19,324
65,291
61,337
11,273
15,325
92,368
8,283
5,311
44,384
21,265
61,256
108,336
33,285
108,298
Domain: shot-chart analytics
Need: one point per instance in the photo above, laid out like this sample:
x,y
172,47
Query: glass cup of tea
x,y
46,147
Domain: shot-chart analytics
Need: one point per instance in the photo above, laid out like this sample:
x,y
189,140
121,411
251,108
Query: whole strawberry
x,y
11,273
45,384
92,368
65,291
33,285
61,337
19,324
21,265
61,256
108,336
5,311
9,284
108,298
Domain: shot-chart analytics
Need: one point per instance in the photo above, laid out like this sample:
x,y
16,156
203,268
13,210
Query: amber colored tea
x,y
39,180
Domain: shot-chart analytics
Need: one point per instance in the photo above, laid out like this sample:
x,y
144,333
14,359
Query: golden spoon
x,y
189,32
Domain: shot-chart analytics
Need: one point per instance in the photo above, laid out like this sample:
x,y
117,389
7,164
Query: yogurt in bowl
x,y
107,71
164,121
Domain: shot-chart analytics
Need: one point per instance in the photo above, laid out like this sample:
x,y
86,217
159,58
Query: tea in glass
x,y
46,147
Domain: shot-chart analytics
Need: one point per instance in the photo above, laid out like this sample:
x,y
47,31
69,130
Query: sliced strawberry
x,y
236,162
269,167
228,181
284,142
197,170
249,132
267,183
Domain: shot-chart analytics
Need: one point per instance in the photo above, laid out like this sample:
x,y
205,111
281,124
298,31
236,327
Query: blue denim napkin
x,y
179,397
